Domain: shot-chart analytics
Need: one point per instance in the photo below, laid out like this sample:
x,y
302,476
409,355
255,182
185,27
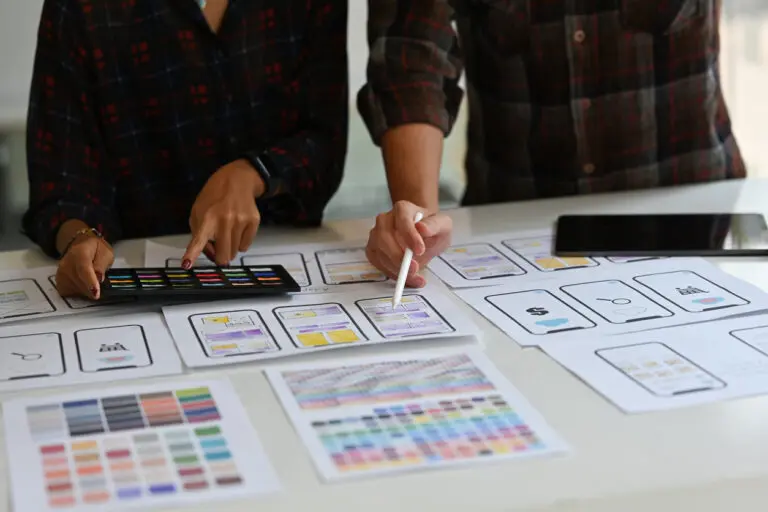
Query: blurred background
x,y
744,69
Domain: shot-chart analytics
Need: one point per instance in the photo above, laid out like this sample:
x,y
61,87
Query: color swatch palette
x,y
426,433
114,414
386,382
149,447
386,414
209,282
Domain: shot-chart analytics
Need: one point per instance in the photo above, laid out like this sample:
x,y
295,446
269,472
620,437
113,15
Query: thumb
x,y
102,260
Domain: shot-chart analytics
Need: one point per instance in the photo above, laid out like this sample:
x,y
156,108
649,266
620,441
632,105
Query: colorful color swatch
x,y
165,281
385,414
426,433
156,446
393,381
115,414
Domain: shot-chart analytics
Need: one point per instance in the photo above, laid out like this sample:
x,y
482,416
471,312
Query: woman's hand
x,y
224,219
82,268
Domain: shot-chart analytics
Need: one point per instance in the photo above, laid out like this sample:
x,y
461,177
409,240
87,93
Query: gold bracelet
x,y
84,231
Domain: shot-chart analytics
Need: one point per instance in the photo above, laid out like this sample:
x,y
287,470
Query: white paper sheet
x,y
513,258
126,448
379,415
674,367
255,329
85,349
615,300
30,294
317,268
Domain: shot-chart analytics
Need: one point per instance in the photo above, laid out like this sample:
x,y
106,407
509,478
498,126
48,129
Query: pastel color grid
x,y
198,405
386,382
426,433
162,444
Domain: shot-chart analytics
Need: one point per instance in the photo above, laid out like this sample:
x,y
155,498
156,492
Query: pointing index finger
x,y
198,242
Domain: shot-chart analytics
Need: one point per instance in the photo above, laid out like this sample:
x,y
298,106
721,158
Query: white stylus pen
x,y
404,266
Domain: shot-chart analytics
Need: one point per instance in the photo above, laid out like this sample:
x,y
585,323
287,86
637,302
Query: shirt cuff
x,y
386,110
42,225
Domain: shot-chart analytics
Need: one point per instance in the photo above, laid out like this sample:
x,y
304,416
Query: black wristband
x,y
264,166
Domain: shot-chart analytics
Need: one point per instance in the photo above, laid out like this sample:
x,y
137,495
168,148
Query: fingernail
x,y
186,264
94,291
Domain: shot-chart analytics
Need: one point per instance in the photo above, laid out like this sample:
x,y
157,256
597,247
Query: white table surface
x,y
708,458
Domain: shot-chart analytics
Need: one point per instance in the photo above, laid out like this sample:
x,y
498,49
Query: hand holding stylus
x,y
395,232
404,266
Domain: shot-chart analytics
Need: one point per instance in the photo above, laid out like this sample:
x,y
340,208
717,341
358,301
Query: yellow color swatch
x,y
343,336
549,263
217,319
84,445
575,262
313,339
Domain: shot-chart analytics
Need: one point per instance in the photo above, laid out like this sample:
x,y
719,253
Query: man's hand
x,y
395,231
81,270
224,219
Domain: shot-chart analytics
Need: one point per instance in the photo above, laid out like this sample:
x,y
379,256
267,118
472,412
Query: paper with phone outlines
x,y
515,257
376,415
318,268
30,294
231,332
615,301
673,367
85,349
134,447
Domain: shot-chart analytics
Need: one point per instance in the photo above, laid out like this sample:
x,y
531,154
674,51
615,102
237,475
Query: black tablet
x,y
200,282
707,234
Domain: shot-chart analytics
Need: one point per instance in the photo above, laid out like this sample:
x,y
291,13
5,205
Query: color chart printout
x,y
415,316
383,415
346,266
134,448
233,333
317,325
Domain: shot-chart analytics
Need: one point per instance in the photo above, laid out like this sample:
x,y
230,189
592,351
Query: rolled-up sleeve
x,y
414,66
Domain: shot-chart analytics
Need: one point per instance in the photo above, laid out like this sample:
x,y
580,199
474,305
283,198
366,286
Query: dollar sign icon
x,y
537,311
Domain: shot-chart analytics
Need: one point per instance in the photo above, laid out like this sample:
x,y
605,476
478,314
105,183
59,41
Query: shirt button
x,y
579,36
589,168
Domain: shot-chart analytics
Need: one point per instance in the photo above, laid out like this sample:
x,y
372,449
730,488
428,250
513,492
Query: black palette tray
x,y
198,282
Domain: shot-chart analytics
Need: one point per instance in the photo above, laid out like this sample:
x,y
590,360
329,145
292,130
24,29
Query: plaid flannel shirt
x,y
135,103
565,96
